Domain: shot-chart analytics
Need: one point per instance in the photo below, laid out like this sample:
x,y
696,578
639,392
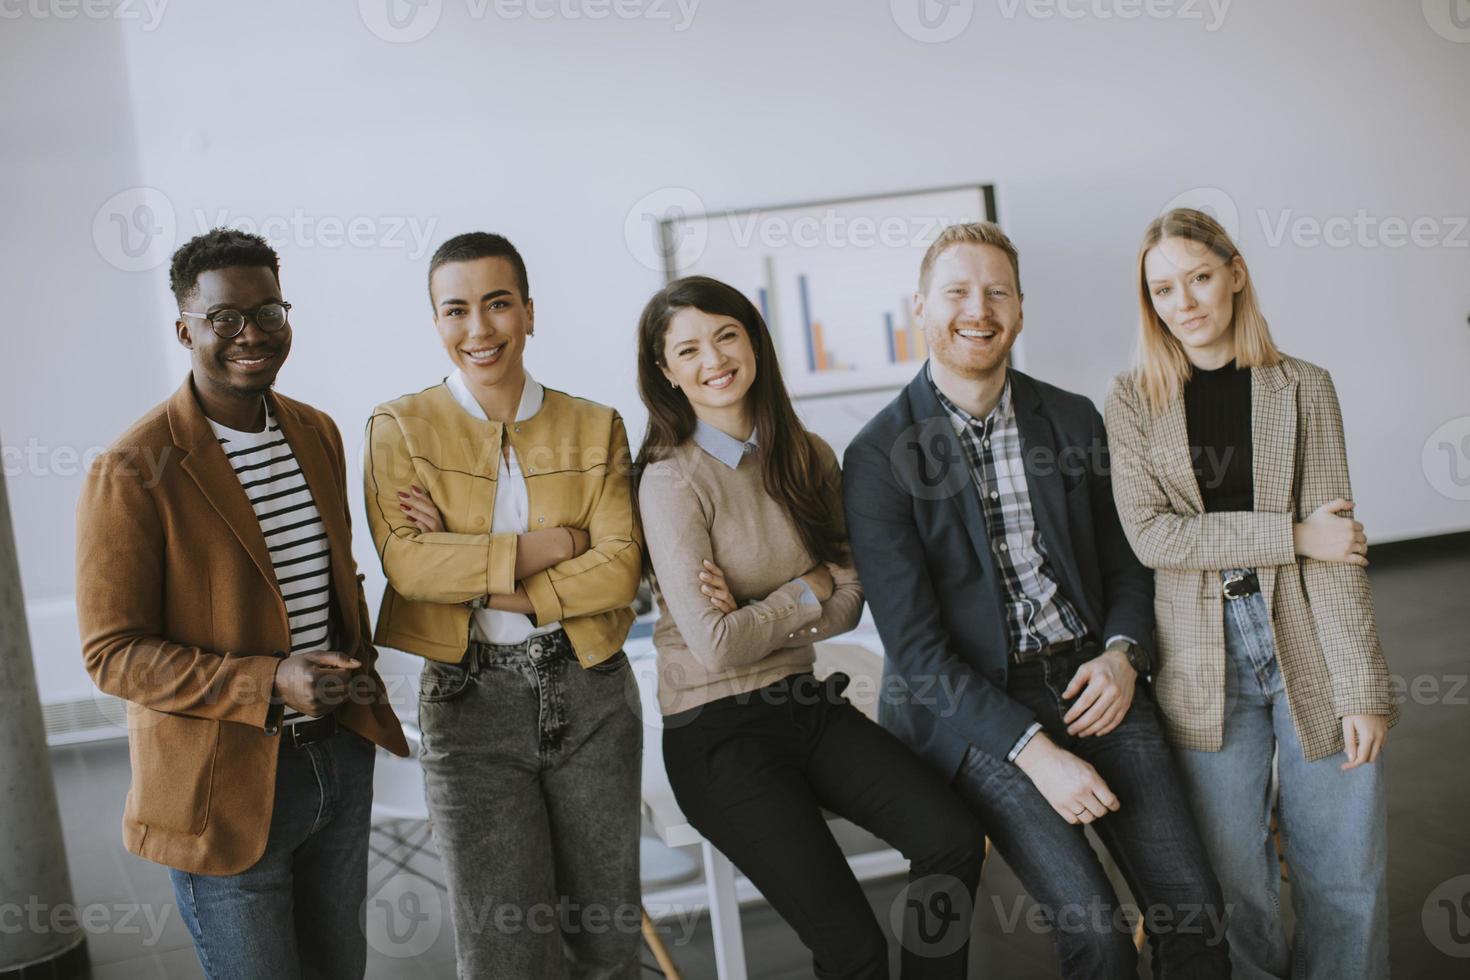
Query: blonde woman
x,y
1231,480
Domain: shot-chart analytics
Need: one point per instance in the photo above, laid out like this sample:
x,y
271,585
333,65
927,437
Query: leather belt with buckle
x,y
1051,650
306,732
1240,586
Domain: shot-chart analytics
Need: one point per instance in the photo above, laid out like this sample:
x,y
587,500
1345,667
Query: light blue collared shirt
x,y
722,446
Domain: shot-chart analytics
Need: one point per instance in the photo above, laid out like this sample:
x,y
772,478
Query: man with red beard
x,y
1016,624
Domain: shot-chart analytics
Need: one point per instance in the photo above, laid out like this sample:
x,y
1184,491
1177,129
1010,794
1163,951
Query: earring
x,y
673,384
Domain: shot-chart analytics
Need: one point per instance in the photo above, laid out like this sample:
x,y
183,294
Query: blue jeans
x,y
1151,837
293,915
532,767
1334,826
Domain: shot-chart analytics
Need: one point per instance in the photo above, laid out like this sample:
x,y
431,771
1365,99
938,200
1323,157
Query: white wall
x,y
551,131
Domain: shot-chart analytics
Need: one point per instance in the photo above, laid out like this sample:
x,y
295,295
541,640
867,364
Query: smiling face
x,y
1193,292
244,367
711,359
482,318
971,311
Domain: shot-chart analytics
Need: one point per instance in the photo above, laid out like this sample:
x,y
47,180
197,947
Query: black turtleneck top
x,y
1217,406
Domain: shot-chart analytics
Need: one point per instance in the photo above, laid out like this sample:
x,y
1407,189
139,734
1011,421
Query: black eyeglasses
x,y
269,317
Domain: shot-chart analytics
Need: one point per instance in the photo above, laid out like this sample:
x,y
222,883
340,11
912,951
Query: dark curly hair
x,y
220,248
479,245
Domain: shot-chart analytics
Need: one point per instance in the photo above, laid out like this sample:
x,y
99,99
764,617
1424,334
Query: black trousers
x,y
753,773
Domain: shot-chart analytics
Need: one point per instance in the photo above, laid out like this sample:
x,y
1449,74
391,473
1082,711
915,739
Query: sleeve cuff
x,y
1120,636
545,603
1026,736
500,570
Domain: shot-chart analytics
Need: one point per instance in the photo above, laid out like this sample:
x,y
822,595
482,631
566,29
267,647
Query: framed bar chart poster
x,y
834,279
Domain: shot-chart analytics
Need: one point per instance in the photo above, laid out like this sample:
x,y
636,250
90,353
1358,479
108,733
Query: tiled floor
x,y
1421,599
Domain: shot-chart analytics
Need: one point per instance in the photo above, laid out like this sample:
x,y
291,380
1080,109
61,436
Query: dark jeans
x,y
1152,838
532,767
294,913
753,774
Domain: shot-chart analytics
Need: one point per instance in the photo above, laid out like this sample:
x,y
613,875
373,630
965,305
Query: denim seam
x,y
321,806
198,926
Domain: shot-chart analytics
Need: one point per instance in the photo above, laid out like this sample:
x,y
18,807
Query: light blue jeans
x,y
1334,827
294,914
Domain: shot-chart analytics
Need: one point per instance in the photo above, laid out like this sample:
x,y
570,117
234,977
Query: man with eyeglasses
x,y
217,594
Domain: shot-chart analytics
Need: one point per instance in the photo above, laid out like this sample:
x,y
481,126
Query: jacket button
x,y
540,520
479,522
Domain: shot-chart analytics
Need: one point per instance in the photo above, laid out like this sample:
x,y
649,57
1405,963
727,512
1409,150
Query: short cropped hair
x,y
973,233
479,245
219,248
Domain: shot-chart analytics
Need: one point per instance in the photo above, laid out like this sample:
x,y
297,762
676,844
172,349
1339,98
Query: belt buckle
x,y
1235,580
327,725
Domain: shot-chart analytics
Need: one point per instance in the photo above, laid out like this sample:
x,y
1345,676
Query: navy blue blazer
x,y
919,540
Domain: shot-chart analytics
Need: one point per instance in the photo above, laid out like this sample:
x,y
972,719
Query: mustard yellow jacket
x,y
574,454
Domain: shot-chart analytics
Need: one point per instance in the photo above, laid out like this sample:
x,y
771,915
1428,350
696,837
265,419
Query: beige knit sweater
x,y
694,506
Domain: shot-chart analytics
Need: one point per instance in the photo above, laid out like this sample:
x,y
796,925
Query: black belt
x,y
1051,649
1241,585
307,732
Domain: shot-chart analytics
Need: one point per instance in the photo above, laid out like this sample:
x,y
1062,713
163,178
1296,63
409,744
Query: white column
x,y
33,876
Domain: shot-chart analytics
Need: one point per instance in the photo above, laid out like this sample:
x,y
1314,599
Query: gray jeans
x,y
531,766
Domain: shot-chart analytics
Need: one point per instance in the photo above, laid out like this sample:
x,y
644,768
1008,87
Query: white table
x,y
857,655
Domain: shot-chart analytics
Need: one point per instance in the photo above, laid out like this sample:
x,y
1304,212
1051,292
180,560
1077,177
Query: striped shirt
x,y
293,531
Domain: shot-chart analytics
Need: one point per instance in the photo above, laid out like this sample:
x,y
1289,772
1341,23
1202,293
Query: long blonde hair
x,y
1163,367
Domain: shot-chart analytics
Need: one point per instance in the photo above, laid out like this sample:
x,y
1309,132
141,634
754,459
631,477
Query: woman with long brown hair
x,y
742,515
1231,479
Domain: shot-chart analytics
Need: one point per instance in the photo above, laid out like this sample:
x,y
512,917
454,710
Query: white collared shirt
x,y
512,512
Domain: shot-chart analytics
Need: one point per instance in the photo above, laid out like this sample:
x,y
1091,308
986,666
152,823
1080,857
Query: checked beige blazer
x,y
1321,612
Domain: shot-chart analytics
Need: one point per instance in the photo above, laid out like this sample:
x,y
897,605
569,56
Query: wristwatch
x,y
1138,658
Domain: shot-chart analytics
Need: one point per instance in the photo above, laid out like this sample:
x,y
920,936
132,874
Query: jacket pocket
x,y
173,758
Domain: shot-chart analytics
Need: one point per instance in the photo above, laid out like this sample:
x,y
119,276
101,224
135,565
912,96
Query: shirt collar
x,y
725,448
531,396
1001,413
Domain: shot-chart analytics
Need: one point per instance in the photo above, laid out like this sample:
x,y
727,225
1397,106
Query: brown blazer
x,y
181,616
1321,612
